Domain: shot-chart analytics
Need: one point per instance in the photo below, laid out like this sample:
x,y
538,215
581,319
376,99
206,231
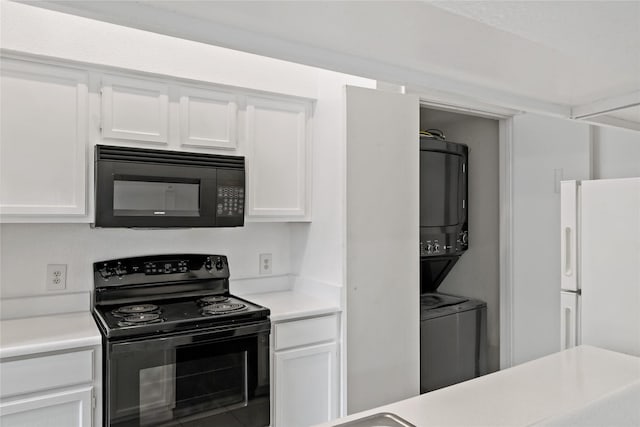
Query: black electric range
x,y
178,348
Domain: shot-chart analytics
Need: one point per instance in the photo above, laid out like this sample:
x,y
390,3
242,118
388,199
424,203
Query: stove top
x,y
176,315
167,293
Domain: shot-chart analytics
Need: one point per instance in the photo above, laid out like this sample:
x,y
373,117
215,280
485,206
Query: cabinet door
x,y
208,118
277,164
135,109
70,409
306,385
43,126
383,176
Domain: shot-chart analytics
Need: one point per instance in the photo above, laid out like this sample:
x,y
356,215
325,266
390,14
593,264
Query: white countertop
x,y
21,337
32,335
522,395
620,408
291,304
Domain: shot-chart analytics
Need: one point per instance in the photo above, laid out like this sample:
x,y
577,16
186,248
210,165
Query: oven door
x,y
215,378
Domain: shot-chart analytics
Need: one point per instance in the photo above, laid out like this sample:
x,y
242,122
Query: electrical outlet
x,y
56,277
265,263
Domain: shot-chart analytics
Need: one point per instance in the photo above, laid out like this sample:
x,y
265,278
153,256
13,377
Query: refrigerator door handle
x,y
567,252
569,238
569,339
568,319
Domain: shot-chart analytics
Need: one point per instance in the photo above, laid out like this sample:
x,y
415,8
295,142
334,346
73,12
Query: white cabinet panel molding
x,y
44,136
278,166
208,118
135,109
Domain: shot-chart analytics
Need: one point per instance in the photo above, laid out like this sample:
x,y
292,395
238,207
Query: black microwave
x,y
144,188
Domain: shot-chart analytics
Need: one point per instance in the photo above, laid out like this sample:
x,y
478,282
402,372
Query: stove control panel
x,y
161,268
166,267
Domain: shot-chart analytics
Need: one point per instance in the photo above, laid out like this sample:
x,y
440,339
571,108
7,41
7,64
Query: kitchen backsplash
x,y
27,249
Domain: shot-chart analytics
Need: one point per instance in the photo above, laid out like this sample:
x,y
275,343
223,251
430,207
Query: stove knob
x,y
219,264
207,264
105,273
120,270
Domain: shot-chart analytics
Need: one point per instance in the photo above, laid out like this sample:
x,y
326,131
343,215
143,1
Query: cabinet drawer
x,y
46,372
304,332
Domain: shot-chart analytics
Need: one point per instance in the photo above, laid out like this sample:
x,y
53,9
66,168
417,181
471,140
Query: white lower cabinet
x,y
65,409
53,390
305,372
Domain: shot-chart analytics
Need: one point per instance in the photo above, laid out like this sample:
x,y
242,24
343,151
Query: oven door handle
x,y
195,337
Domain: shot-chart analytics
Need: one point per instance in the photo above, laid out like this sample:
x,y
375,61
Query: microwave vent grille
x,y
130,154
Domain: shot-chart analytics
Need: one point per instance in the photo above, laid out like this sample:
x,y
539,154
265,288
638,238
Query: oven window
x,y
147,198
192,385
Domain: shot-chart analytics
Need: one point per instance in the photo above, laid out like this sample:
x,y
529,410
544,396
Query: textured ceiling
x,y
554,51
561,53
608,30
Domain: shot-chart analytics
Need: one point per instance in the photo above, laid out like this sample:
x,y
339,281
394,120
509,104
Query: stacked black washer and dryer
x,y
453,328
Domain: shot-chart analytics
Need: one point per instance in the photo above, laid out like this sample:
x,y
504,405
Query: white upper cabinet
x,y
52,113
43,138
135,109
277,159
208,118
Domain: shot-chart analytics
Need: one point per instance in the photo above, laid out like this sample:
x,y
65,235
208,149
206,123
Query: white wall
x,y
476,274
28,248
540,146
616,153
39,31
317,247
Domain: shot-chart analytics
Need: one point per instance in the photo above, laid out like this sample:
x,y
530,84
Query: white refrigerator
x,y
600,264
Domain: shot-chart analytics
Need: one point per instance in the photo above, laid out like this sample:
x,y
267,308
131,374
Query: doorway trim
x,y
505,194
506,266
